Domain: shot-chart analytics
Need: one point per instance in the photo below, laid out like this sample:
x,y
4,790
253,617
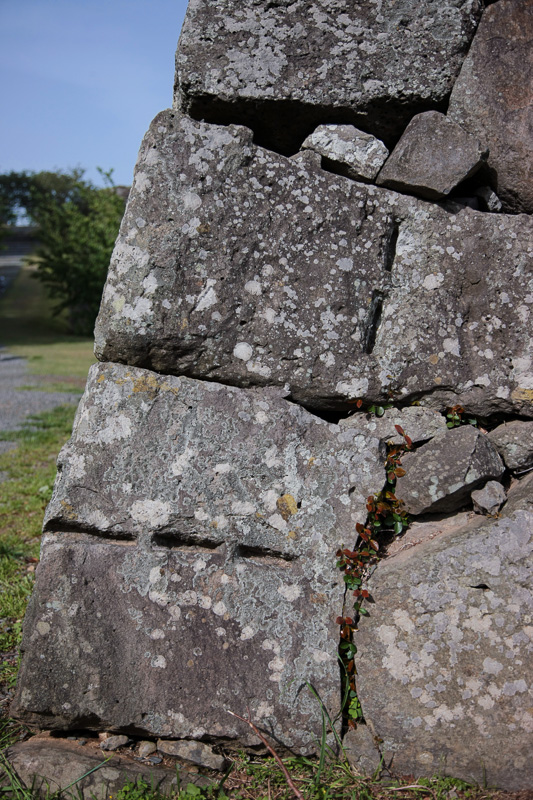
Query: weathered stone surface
x,y
283,68
418,423
514,442
444,662
489,499
197,753
56,763
351,152
191,537
441,475
493,99
432,157
238,265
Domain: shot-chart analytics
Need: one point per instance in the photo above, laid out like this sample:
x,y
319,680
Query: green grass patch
x,y
31,328
258,780
30,470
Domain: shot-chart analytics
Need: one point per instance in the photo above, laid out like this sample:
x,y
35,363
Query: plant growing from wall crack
x,y
386,515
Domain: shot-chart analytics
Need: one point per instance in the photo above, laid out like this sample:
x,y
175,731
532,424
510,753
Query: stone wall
x,y
326,254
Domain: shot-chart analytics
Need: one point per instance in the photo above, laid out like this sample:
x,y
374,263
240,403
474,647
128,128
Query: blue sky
x,y
82,79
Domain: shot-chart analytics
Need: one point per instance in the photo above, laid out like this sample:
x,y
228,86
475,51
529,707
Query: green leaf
x,y
398,527
380,411
364,612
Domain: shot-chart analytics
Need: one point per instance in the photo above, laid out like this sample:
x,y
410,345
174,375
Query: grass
x,y
254,779
30,469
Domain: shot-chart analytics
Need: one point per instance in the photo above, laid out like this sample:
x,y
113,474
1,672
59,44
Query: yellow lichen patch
x,y
287,506
68,511
318,598
522,394
311,461
204,227
146,383
433,359
291,535
101,378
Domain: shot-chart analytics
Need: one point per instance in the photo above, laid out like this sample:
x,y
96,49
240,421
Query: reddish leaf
x,y
359,403
408,441
339,621
349,621
400,430
365,594
399,472
374,544
358,527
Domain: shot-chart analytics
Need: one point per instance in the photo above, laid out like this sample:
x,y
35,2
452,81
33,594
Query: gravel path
x,y
16,403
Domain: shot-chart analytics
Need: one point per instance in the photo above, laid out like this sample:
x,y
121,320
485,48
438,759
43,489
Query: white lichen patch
x,y
116,428
290,592
243,351
153,512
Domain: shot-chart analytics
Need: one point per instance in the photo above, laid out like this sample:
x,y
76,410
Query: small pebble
x,y
72,738
114,742
155,759
146,749
82,741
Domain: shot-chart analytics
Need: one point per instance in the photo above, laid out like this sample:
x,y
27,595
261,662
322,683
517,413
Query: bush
x,y
78,224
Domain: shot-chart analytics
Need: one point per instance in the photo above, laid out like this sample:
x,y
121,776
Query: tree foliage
x,y
78,224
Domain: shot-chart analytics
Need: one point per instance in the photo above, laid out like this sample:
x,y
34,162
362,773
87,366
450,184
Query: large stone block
x,y
189,562
445,667
493,99
238,265
282,68
432,157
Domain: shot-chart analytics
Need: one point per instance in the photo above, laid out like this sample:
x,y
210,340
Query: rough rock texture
x,y
489,499
441,475
445,659
514,442
238,265
348,151
432,157
320,61
493,99
420,424
56,763
193,528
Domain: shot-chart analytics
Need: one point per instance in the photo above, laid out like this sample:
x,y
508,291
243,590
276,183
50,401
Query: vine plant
x,y
386,514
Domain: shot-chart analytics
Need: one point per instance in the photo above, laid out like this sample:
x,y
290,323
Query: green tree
x,y
78,224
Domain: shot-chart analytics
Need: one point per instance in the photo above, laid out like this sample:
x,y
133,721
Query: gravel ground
x,y
16,403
